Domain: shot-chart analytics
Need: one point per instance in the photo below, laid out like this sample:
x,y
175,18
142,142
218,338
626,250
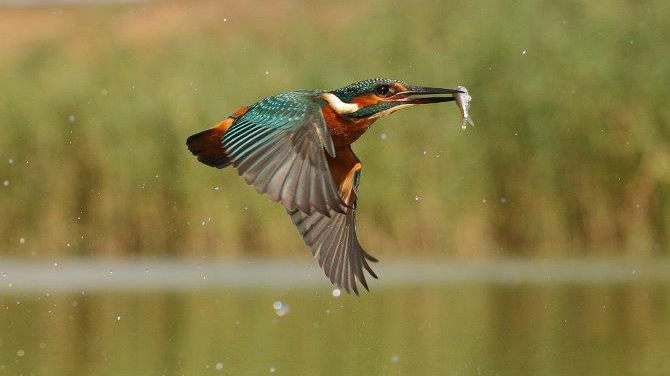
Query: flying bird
x,y
295,148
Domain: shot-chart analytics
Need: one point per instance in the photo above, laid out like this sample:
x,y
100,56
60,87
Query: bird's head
x,y
374,98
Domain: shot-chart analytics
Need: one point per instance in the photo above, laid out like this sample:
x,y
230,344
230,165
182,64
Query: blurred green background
x,y
570,155
570,159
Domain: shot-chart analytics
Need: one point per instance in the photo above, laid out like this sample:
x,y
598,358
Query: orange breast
x,y
342,130
342,168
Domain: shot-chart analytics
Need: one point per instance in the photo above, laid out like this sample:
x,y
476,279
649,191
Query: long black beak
x,y
422,95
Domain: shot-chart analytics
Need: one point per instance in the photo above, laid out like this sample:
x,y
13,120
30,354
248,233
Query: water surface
x,y
476,326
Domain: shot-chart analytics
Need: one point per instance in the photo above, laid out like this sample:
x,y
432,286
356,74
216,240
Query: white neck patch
x,y
336,104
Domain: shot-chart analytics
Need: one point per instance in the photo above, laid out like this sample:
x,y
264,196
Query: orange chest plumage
x,y
342,130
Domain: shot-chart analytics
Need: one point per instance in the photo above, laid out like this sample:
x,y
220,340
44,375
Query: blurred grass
x,y
570,155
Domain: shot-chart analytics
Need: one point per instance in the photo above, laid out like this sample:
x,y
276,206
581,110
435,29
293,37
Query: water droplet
x,y
337,292
219,366
281,309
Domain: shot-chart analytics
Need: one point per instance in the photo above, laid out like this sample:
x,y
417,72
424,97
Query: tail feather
x,y
207,145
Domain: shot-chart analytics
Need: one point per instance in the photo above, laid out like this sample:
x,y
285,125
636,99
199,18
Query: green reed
x,y
570,154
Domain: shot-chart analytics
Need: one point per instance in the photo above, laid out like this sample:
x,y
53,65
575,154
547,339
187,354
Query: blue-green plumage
x,y
351,91
278,147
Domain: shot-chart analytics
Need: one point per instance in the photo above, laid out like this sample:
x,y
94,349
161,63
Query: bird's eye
x,y
383,90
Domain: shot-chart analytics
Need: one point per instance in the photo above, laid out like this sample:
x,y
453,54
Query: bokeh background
x,y
570,155
569,160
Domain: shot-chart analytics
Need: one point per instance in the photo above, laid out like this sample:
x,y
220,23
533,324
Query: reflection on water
x,y
455,329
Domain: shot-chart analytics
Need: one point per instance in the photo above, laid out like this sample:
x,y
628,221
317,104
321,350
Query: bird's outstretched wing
x,y
279,146
333,238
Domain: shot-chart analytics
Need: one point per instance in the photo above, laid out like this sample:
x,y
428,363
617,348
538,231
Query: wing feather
x,y
280,147
332,238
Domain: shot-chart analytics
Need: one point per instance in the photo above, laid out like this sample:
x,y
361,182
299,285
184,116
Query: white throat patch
x,y
336,104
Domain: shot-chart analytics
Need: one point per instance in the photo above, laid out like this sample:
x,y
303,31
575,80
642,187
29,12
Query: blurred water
x,y
476,325
168,274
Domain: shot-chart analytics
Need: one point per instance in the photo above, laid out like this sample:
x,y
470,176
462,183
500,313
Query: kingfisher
x,y
295,148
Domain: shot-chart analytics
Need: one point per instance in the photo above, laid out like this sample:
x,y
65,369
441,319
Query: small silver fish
x,y
463,101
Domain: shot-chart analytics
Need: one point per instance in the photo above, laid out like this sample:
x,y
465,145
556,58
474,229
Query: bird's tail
x,y
207,145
